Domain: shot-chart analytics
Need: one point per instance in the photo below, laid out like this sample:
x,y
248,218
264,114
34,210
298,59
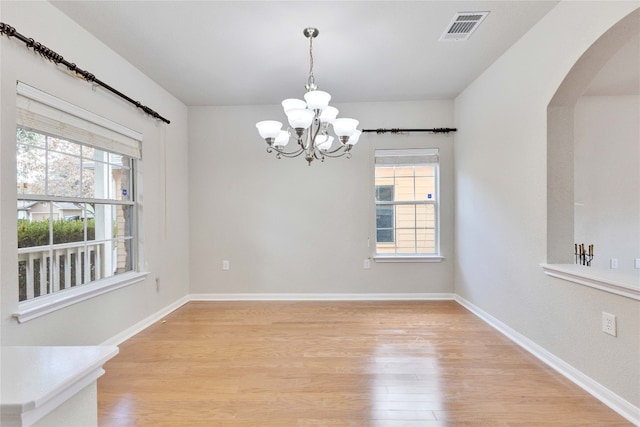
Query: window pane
x,y
124,256
122,183
29,137
426,241
62,146
88,180
425,216
88,152
384,193
405,241
33,223
30,169
63,175
384,235
425,188
405,188
69,230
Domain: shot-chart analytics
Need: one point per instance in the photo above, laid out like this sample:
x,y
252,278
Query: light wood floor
x,y
335,364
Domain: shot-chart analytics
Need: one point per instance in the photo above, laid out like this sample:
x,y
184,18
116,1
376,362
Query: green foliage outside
x,y
36,233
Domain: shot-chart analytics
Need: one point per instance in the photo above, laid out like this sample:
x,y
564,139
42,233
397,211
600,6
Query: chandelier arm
x,y
332,154
289,155
342,147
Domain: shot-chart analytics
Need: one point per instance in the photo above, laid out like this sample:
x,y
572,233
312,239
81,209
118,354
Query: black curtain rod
x,y
396,130
52,56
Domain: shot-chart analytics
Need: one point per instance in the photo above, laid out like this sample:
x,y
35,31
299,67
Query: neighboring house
x,y
37,211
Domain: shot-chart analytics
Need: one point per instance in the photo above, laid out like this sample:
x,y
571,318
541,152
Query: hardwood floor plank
x,y
384,364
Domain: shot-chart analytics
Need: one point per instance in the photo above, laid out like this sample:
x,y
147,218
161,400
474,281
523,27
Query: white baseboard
x,y
597,390
323,297
145,323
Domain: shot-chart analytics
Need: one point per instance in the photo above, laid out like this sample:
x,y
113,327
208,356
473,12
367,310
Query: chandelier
x,y
309,121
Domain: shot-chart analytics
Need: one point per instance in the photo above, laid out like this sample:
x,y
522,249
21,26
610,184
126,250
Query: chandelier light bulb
x,y
324,142
355,137
329,114
317,99
292,104
282,139
269,129
345,127
300,118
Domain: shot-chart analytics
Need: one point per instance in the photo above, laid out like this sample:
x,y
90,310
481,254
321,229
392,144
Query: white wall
x,y
165,231
287,227
607,179
501,186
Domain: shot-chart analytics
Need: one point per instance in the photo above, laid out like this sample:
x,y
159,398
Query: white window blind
x,y
407,157
46,113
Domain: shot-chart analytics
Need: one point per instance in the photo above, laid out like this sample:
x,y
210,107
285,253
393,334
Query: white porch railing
x,y
71,264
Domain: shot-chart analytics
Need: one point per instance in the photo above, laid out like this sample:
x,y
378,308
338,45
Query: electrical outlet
x,y
613,263
367,263
636,263
609,324
225,264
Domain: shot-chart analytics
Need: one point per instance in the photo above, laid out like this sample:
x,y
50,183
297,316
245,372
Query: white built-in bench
x,y
51,386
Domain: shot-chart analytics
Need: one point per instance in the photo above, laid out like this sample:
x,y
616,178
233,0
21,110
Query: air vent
x,y
463,25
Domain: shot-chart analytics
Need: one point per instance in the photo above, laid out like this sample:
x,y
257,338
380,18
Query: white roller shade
x,y
43,112
409,156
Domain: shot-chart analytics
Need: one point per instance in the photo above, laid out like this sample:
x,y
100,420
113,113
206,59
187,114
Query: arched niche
x,y
565,172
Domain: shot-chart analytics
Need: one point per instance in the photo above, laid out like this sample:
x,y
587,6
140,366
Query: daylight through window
x,y
406,202
76,209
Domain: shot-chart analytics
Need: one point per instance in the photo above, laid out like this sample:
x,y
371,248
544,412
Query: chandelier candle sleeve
x,y
309,123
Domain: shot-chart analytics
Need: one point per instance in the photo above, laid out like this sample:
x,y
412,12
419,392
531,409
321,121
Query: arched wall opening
x,y
593,154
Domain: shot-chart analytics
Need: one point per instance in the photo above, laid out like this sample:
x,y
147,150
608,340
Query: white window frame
x,y
45,113
415,156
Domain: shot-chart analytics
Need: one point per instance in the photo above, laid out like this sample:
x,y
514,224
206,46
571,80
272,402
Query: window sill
x,y
409,258
37,307
626,285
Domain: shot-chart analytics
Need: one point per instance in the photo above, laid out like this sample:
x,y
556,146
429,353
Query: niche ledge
x,y
626,285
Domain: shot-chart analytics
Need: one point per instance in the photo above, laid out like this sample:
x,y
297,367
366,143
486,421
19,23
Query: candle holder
x,y
583,257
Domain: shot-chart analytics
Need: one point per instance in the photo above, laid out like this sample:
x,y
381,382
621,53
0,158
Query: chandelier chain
x,y
312,79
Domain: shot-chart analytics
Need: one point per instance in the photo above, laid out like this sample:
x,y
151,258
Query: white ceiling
x,y
253,52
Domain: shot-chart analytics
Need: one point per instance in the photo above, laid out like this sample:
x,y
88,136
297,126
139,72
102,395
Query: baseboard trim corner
x,y
597,390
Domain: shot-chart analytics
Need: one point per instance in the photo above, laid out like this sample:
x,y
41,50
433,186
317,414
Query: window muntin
x,y
411,177
76,213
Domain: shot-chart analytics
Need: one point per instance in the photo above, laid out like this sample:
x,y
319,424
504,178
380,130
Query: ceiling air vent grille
x,y
463,25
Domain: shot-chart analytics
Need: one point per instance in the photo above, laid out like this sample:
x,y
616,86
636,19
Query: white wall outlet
x,y
609,324
367,263
613,263
636,263
225,264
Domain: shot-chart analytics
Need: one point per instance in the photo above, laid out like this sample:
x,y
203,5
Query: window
x,y
406,202
76,204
